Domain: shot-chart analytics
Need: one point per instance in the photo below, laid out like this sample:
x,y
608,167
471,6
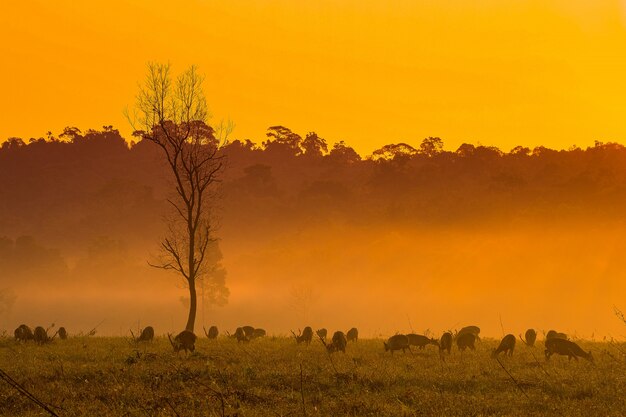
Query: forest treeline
x,y
86,209
97,183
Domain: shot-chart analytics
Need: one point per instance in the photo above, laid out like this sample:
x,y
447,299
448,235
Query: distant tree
x,y
465,150
344,153
173,115
12,143
71,134
283,138
313,145
431,146
520,151
394,151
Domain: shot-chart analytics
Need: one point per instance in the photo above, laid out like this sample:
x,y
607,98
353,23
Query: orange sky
x,y
496,72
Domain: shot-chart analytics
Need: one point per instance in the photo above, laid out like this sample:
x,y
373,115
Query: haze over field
x,y
411,237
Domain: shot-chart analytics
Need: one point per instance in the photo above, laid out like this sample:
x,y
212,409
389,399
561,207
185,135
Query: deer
x,y
553,334
507,345
321,333
529,337
566,348
40,335
258,333
240,335
249,331
466,340
185,340
445,343
62,333
305,336
338,342
475,330
397,342
421,341
212,333
23,333
353,335
146,335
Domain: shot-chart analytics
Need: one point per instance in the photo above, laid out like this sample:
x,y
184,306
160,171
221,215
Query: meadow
x,y
114,376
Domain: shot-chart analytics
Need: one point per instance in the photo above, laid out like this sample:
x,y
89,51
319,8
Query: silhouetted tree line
x,y
79,186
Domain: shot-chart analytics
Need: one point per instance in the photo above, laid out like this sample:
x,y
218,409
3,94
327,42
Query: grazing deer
x,y
529,337
322,333
397,342
240,335
475,330
23,333
212,333
249,331
40,335
338,343
258,333
184,340
466,340
147,334
507,345
421,341
62,333
445,343
353,335
566,348
305,336
553,334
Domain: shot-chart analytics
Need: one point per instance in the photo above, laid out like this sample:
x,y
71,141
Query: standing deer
x,y
475,330
566,348
421,341
258,333
146,335
338,343
62,333
445,343
249,331
322,333
305,336
212,333
507,345
184,340
240,335
397,342
40,335
466,340
353,335
23,333
553,334
529,337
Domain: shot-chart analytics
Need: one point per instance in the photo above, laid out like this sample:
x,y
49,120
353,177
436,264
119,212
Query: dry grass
x,y
274,377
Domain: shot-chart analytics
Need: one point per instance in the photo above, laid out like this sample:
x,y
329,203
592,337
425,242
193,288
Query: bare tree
x,y
173,115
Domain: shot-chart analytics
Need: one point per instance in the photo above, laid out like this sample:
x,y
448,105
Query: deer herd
x,y
555,342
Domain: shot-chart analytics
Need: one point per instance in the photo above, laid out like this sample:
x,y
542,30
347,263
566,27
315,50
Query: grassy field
x,y
98,376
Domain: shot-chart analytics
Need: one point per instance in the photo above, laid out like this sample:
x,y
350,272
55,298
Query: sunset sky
x,y
497,72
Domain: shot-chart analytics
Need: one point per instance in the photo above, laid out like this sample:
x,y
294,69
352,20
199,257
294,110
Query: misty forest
x,y
292,275
408,229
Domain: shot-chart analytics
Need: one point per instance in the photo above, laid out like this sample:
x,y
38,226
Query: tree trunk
x,y
192,306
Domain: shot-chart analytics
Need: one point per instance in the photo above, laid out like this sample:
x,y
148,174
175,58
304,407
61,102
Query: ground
x,y
100,376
